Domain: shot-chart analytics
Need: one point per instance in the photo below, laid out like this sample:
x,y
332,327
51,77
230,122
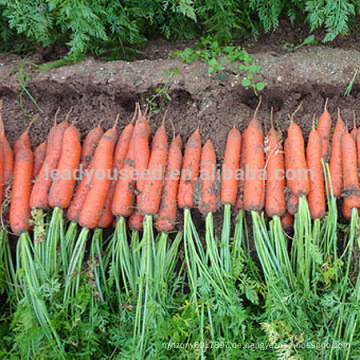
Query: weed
x,y
218,58
351,84
157,101
310,40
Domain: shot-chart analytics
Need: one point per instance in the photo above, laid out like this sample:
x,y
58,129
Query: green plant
x,y
310,40
351,84
218,58
157,101
250,70
117,30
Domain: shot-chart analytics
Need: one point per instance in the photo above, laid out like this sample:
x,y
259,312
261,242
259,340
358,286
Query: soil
x,y
97,91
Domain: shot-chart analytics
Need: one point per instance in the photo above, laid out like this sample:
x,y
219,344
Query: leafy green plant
x,y
218,58
117,30
250,70
157,101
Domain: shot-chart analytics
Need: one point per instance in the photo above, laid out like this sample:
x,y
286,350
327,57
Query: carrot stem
x,y
73,275
241,238
225,238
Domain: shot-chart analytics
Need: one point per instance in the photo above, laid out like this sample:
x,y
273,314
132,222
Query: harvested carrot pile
x,y
107,253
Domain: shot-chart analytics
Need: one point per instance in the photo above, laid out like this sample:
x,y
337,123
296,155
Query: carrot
x,y
149,199
286,221
167,212
346,208
190,170
142,151
292,204
324,128
354,131
39,194
350,174
229,183
335,166
316,196
121,149
20,198
136,221
208,178
254,188
292,201
297,161
73,212
1,172
141,162
275,186
123,200
39,157
94,202
62,188
90,143
8,153
241,184
77,202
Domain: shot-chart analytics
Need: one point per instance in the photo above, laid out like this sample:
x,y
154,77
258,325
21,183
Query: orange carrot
x,y
123,200
316,196
39,194
324,128
292,204
90,143
354,131
208,178
62,188
142,151
1,172
229,183
292,201
167,212
275,181
73,212
121,149
20,198
141,137
286,221
241,184
254,187
335,165
8,153
149,199
39,157
351,178
94,202
136,221
346,208
190,170
297,161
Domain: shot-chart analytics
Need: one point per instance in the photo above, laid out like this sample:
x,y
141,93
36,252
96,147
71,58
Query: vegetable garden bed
x,y
135,308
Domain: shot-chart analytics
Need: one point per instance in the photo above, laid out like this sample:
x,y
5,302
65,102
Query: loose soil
x,y
97,91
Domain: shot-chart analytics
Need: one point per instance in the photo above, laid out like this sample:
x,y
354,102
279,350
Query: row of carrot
x,y
95,203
